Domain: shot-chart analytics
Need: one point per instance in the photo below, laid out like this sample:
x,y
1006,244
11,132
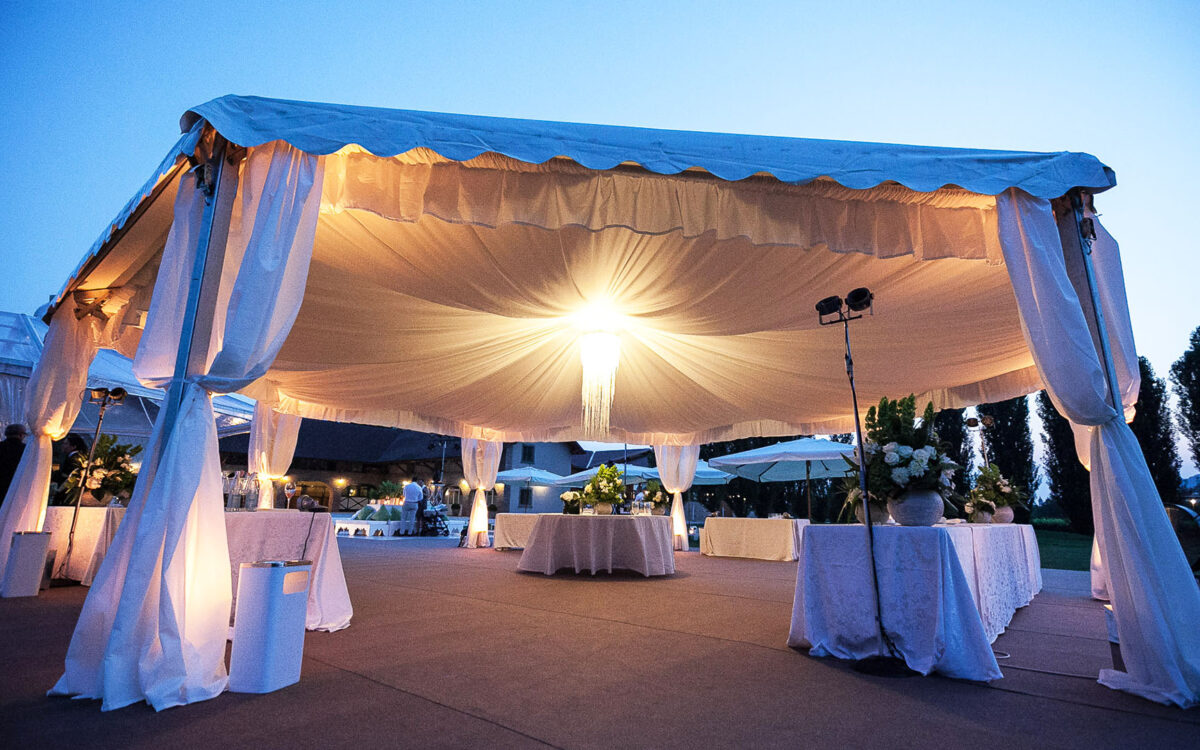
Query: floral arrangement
x,y
993,491
976,506
655,493
112,469
606,487
903,453
854,500
570,500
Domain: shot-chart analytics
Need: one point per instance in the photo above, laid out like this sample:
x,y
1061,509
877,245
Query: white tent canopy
x,y
21,341
806,458
491,248
630,474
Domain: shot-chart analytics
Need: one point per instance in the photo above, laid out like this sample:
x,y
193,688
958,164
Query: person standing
x,y
412,499
11,449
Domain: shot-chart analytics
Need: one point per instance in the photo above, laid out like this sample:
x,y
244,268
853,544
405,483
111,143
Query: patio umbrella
x,y
528,475
634,474
705,474
806,458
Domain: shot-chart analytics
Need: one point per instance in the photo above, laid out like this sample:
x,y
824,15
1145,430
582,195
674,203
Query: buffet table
x,y
758,538
594,543
295,535
1002,566
513,529
928,607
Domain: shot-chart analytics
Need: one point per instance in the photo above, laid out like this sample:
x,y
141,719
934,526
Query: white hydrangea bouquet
x,y
656,494
570,500
903,453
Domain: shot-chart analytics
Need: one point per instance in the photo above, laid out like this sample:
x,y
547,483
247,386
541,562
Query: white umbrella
x,y
806,458
528,475
705,474
632,475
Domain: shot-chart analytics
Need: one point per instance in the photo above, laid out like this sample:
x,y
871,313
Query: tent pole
x,y
1087,233
808,486
218,180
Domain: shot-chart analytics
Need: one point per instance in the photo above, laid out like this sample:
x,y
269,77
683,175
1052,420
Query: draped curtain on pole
x,y
272,446
1154,596
53,398
677,467
481,462
155,621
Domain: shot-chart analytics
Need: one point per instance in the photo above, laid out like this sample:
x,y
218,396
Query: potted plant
x,y
994,490
979,510
654,493
112,471
852,508
605,490
570,500
906,466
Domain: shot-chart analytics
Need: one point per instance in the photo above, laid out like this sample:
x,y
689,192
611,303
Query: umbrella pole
x,y
808,487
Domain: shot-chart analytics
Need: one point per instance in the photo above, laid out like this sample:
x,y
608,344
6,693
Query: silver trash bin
x,y
26,563
268,627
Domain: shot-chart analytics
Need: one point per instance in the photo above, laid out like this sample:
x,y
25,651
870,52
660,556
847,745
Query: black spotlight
x,y
117,395
859,299
829,306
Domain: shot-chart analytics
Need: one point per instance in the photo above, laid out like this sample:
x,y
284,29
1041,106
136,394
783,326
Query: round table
x,y
595,543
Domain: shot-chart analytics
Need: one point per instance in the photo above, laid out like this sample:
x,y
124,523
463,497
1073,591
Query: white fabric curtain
x,y
1154,596
677,467
53,398
481,462
272,446
155,621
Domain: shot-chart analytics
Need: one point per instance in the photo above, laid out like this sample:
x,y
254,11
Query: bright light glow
x,y
600,353
340,482
600,315
463,483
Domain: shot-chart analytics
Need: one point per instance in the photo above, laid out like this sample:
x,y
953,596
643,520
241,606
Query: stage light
x,y
829,306
859,299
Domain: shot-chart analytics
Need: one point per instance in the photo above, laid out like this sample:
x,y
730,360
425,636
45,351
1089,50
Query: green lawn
x,y
1064,550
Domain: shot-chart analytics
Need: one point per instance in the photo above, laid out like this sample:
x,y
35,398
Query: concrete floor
x,y
453,648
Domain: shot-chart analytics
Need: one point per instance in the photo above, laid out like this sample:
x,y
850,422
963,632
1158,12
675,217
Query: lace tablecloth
x,y
1002,566
595,543
294,535
94,531
928,607
758,538
513,529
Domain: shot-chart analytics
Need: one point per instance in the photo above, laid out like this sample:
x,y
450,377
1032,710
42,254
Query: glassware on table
x,y
587,509
289,490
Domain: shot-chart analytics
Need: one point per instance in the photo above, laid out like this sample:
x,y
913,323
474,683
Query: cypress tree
x,y
1010,445
1185,376
951,428
1152,426
1069,481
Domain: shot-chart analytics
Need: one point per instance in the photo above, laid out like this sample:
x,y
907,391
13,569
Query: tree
x,y
951,429
1069,482
1152,426
1009,443
1185,376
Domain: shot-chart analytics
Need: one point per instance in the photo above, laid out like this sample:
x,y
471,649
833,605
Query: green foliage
x,y
386,488
1185,376
992,489
112,468
951,427
1152,426
655,493
606,487
1010,443
903,453
1069,482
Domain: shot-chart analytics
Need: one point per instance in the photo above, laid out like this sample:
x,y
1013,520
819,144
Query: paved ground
x,y
451,648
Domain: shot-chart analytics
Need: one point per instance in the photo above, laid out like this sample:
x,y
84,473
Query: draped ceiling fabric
x,y
53,397
677,467
272,447
156,619
481,460
482,247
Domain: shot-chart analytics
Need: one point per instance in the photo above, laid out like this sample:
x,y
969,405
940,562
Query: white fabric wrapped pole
x,y
481,462
155,621
677,467
53,398
272,446
1154,596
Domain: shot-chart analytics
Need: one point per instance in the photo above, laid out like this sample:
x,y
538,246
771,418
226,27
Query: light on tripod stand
x,y
829,306
859,299
101,395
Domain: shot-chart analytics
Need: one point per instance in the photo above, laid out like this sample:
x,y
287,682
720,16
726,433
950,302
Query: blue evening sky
x,y
93,93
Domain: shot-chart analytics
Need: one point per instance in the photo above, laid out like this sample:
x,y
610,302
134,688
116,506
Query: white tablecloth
x,y
295,535
929,609
759,538
513,529
595,543
93,533
1002,566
